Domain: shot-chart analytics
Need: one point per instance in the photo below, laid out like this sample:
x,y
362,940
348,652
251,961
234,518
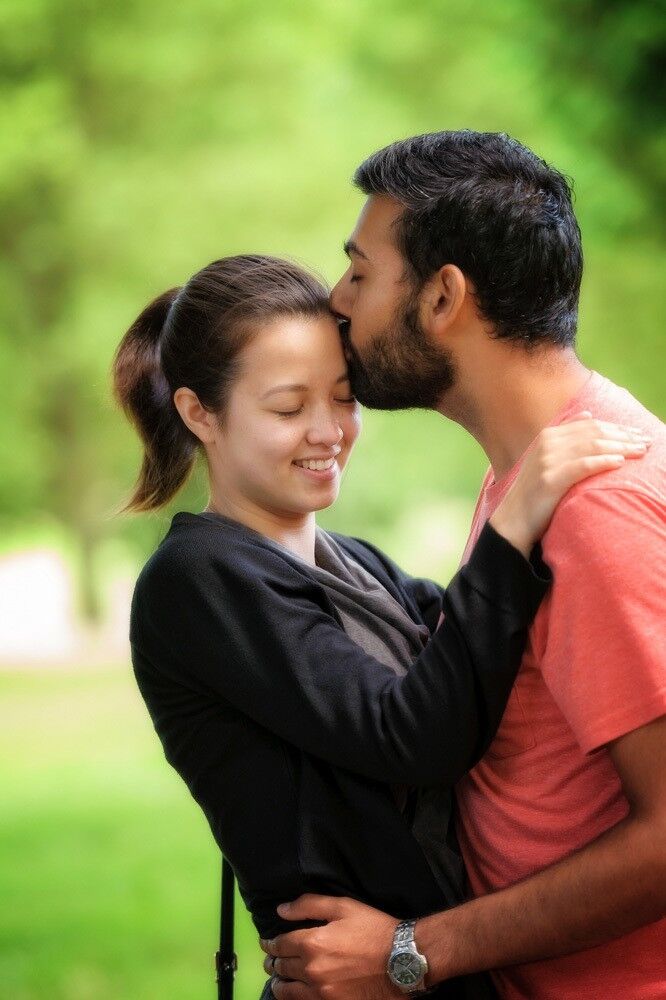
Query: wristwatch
x,y
406,967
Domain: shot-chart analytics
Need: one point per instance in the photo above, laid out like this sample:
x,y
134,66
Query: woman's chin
x,y
325,499
325,505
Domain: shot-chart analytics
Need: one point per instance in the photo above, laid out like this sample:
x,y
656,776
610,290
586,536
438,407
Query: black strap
x,y
226,961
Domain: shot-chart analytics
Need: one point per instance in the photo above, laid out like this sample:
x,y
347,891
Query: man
x,y
462,295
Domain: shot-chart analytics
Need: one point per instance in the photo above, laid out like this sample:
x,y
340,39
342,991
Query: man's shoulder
x,y
610,401
616,518
637,480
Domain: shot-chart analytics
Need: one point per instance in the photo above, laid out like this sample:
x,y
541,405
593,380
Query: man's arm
x,y
609,888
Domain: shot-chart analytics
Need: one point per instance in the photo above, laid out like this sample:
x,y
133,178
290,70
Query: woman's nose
x,y
326,431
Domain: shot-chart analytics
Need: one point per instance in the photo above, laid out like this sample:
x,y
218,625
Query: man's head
x,y
459,228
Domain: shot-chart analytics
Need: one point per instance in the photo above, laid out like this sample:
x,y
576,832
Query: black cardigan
x,y
289,735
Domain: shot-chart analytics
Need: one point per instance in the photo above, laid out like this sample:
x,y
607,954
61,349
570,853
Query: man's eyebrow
x,y
294,387
351,247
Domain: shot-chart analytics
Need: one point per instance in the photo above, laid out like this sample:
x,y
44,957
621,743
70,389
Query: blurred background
x,y
140,141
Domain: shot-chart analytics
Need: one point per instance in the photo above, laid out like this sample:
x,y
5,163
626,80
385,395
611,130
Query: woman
x,y
300,682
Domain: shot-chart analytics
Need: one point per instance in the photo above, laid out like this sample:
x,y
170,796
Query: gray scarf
x,y
369,614
381,626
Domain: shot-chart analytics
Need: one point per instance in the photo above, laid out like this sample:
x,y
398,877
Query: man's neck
x,y
505,405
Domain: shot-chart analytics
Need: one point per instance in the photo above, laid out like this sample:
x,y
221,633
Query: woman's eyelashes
x,y
354,278
349,401
288,413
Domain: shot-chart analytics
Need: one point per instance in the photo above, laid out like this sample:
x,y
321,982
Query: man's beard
x,y
400,368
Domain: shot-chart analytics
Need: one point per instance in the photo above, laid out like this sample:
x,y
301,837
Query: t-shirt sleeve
x,y
604,659
260,635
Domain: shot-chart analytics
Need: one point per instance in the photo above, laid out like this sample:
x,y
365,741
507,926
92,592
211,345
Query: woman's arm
x,y
559,457
261,635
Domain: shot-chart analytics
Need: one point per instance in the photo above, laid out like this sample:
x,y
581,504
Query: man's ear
x,y
443,298
199,420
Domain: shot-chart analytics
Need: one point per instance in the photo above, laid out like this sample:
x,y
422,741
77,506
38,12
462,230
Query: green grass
x,y
109,876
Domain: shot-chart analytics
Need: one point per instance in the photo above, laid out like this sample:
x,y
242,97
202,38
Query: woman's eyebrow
x,y
284,388
293,387
351,247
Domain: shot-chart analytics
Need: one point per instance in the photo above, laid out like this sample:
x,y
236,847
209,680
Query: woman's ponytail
x,y
191,337
141,388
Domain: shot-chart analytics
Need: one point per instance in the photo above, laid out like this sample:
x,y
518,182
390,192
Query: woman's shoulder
x,y
203,568
199,547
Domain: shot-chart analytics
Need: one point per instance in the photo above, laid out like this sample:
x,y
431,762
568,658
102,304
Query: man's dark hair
x,y
482,201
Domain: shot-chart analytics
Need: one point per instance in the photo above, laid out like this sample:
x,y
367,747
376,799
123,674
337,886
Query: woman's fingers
x,y
561,456
600,429
575,470
578,459
608,446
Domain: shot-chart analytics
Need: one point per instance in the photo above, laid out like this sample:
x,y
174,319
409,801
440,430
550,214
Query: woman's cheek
x,y
288,438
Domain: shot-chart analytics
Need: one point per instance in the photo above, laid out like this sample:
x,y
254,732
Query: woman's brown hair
x,y
192,336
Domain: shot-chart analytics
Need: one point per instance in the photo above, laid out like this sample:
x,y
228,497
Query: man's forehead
x,y
374,226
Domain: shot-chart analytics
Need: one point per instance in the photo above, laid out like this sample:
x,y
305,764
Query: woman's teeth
x,y
316,466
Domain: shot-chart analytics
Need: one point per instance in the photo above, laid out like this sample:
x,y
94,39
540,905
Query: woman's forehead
x,y
295,350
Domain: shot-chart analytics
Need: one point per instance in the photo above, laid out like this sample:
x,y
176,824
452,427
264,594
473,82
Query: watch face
x,y
406,968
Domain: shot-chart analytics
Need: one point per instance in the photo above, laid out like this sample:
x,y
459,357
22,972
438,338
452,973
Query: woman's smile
x,y
319,470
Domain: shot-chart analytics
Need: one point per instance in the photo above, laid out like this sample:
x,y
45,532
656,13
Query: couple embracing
x,y
456,789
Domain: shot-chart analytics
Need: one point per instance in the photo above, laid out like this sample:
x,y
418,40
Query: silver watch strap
x,y
404,933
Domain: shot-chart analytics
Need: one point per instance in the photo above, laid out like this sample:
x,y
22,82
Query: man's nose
x,y
338,302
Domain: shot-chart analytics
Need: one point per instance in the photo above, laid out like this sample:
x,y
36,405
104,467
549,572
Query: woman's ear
x,y
443,298
199,420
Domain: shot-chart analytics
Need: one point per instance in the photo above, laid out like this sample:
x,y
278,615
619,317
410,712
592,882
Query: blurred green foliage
x,y
108,882
140,141
144,140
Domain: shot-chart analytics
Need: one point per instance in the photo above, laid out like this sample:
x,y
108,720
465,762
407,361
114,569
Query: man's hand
x,y
343,960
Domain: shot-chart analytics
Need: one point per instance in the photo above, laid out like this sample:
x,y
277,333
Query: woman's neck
x,y
295,532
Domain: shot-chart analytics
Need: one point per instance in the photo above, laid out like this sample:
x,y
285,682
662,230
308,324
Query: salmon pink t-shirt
x,y
594,669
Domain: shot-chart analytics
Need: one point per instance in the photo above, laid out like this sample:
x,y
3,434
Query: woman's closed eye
x,y
287,413
348,401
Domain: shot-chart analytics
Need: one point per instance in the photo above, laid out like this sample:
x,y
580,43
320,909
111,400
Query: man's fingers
x,y
282,990
312,907
286,945
286,968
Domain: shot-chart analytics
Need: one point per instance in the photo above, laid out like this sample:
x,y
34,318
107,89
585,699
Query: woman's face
x,y
290,422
